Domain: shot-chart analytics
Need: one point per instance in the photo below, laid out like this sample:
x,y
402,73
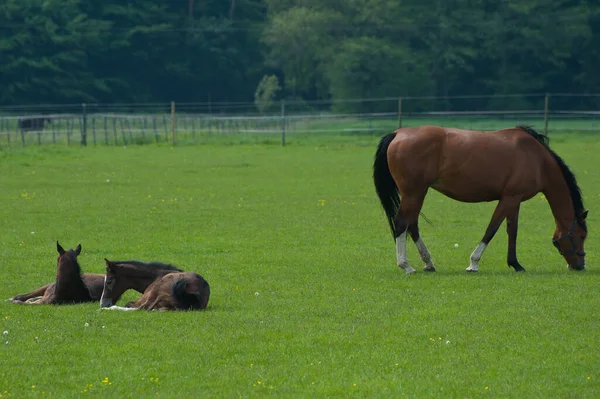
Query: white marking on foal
x,y
401,254
120,308
105,302
475,256
425,255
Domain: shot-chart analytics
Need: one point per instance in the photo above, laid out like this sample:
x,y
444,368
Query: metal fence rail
x,y
124,124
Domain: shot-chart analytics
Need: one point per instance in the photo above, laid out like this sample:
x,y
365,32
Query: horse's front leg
x,y
506,206
512,226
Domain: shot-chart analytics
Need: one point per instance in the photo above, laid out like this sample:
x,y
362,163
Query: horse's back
x,y
94,283
467,165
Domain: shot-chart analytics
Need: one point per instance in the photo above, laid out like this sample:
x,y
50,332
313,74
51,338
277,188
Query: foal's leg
x,y
115,307
506,206
36,294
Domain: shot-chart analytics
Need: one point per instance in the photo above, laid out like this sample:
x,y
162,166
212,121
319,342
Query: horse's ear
x,y
583,216
59,248
78,250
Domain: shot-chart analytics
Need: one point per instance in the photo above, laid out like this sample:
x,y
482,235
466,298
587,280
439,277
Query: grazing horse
x,y
123,275
173,291
509,166
69,286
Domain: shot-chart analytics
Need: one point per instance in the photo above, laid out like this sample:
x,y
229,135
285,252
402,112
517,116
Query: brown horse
x,y
69,286
509,166
123,275
173,291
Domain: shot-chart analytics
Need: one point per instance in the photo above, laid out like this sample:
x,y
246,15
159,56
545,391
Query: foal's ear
x,y
109,265
583,216
59,248
78,250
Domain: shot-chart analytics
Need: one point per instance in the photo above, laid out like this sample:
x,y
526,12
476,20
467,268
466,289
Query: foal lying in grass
x,y
165,287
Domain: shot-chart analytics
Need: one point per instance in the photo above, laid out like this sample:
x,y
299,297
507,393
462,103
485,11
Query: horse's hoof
x,y
472,269
429,268
407,268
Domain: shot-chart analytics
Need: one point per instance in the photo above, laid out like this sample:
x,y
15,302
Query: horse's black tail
x,y
191,296
384,182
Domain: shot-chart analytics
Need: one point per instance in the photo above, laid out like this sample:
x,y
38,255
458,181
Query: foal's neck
x,y
140,277
68,277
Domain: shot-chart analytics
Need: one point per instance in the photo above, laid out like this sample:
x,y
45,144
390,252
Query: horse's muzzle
x,y
577,267
105,303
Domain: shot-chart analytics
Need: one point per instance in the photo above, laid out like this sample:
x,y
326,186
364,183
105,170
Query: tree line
x,y
111,51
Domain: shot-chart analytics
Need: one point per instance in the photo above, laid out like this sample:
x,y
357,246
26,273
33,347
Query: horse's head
x,y
70,255
569,243
112,289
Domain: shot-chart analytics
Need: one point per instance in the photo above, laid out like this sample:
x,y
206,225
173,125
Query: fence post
x,y
173,121
84,124
22,133
546,101
399,112
283,123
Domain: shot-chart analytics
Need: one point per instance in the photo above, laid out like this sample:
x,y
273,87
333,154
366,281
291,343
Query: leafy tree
x,y
43,48
266,92
300,42
366,67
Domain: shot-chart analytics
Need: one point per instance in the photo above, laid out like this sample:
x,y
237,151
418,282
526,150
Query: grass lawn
x,y
306,300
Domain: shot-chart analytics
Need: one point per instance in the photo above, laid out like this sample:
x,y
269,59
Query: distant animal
x,y
509,166
69,286
123,275
174,291
27,124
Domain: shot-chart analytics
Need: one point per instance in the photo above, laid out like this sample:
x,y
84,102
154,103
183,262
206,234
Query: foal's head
x,y
68,259
114,287
570,243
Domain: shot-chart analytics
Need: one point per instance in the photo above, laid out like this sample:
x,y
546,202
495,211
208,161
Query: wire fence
x,y
126,124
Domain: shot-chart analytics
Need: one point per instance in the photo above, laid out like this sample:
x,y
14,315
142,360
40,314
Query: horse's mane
x,y
574,189
154,265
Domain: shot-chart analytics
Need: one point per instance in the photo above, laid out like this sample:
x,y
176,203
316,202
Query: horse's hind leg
x,y
423,251
406,220
401,259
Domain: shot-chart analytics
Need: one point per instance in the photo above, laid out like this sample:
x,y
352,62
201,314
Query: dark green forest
x,y
115,51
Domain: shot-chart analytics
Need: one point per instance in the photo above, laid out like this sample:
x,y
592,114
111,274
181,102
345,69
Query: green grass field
x,y
306,298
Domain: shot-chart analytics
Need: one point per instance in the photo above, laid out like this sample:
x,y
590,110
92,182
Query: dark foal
x,y
69,286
